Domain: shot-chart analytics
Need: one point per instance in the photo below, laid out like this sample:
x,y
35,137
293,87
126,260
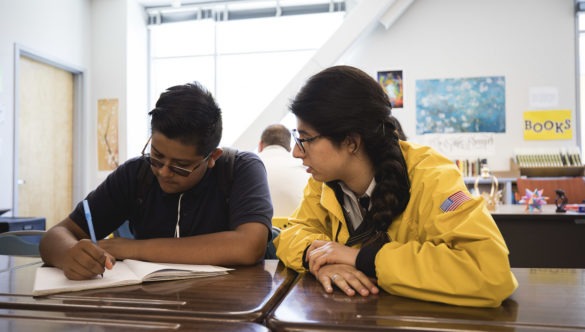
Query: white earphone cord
x,y
177,230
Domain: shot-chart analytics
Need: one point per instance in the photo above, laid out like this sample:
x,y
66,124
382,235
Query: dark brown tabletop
x,y
245,294
546,300
38,320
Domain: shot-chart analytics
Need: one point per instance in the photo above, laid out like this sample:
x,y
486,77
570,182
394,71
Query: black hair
x,y
341,101
188,113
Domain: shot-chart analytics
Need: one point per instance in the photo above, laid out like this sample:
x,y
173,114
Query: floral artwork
x,y
107,132
534,200
461,105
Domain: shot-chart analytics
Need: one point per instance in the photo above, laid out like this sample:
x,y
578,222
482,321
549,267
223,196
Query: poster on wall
x,y
544,97
107,133
462,145
461,105
548,125
391,81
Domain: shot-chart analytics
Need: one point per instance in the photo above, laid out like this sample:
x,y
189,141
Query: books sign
x,y
548,125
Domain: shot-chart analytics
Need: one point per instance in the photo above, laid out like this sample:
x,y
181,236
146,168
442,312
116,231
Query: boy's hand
x,y
85,260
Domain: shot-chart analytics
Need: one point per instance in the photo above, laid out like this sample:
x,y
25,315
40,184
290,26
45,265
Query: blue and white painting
x,y
461,105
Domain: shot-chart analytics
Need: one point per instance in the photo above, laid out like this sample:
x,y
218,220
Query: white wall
x,y
56,30
137,119
107,40
530,42
119,64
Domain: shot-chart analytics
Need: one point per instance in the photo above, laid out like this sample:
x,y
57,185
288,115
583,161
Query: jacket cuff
x,y
366,259
305,263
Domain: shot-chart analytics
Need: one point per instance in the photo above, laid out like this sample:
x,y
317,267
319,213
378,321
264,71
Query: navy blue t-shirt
x,y
203,208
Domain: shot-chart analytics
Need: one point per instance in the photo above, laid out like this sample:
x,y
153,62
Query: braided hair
x,y
341,101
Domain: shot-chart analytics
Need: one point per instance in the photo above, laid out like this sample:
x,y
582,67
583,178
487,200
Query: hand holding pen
x,y
89,220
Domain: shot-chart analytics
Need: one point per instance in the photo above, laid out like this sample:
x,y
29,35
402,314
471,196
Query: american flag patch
x,y
453,202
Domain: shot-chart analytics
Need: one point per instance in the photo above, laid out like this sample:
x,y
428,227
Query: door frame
x,y
79,166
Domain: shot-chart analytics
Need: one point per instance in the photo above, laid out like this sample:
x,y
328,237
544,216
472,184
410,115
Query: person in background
x,y
286,176
380,212
183,215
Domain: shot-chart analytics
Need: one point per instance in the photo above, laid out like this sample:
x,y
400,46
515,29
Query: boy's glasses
x,y
157,163
299,141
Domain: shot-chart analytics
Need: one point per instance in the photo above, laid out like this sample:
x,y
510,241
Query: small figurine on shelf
x,y
561,200
492,198
534,200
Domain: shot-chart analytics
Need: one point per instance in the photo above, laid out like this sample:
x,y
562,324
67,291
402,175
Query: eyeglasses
x,y
299,141
157,163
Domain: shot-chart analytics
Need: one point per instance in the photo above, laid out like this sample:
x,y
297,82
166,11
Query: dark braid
x,y
392,192
341,101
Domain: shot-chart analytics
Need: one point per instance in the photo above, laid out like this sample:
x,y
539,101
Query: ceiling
x,y
178,3
167,3
169,11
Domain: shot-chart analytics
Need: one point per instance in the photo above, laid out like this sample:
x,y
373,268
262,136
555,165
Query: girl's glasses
x,y
299,141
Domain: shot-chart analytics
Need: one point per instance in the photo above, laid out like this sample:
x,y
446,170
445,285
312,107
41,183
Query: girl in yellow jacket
x,y
382,212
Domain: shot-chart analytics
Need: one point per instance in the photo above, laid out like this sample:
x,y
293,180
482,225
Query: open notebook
x,y
50,280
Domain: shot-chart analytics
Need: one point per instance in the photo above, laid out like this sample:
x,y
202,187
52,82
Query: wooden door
x,y
44,140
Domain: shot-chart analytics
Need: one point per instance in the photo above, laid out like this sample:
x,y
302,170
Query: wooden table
x,y
38,320
547,299
544,239
245,294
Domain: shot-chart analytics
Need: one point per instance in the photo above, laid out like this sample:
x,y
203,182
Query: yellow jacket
x,y
457,257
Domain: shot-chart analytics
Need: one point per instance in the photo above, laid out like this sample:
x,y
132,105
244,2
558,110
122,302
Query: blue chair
x,y
21,243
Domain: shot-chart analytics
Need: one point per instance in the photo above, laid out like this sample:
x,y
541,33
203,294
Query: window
x,y
244,63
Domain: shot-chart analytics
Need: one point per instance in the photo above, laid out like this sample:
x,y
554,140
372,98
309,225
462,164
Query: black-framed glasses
x,y
299,141
157,163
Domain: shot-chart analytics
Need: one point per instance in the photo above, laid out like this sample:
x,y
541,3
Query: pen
x,y
89,222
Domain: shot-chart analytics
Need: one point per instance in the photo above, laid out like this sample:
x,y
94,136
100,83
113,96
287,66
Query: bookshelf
x,y
530,163
549,162
470,167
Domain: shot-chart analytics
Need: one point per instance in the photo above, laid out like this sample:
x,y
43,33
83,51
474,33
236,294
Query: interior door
x,y
44,141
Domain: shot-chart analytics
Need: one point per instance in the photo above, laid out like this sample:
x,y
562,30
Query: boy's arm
x,y
245,245
67,247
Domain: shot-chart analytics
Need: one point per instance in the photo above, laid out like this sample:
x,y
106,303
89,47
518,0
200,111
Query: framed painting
x,y
461,105
107,133
391,81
